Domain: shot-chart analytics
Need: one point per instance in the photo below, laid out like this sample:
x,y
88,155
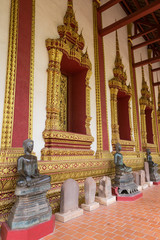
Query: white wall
x,y
49,14
4,33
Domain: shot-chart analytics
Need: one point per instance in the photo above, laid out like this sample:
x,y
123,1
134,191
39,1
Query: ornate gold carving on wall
x,y
63,103
133,88
71,44
31,83
145,102
97,83
116,84
154,113
8,114
158,112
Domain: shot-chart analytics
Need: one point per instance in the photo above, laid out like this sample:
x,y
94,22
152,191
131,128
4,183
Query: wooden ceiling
x,y
145,14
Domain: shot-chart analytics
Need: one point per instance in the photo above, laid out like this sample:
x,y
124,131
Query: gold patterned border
x,y
97,83
31,87
8,113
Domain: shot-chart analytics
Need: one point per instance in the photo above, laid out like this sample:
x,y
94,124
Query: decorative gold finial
x,y
70,3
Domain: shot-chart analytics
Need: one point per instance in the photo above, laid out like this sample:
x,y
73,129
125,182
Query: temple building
x,y
77,77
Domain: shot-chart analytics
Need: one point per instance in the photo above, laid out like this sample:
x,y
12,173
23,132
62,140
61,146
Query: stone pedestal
x,y
106,201
126,197
125,184
150,184
64,217
35,232
90,207
69,201
31,207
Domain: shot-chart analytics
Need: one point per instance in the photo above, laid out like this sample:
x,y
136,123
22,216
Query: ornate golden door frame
x,y
66,57
120,94
146,112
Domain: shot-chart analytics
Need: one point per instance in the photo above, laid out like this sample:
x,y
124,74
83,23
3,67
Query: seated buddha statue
x,y
121,168
149,159
153,167
27,168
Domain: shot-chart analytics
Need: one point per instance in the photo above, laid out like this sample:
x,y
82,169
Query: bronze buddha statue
x,y
118,160
27,168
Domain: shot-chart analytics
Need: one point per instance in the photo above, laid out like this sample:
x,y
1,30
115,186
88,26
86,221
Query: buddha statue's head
x,y
148,151
118,147
28,145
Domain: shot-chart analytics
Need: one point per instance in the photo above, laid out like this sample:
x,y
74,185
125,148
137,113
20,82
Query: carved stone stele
x,y
69,196
69,201
90,190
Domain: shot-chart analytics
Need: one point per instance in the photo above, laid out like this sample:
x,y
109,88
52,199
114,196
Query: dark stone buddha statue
x,y
124,179
153,167
121,168
31,206
27,168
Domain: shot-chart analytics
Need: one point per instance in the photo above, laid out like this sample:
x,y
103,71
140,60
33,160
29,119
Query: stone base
x,y
156,183
33,233
125,197
105,201
139,188
150,184
64,217
90,207
145,186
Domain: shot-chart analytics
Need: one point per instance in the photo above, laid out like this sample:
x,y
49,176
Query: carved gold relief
x,y
63,103
116,84
8,114
133,87
99,153
70,44
145,102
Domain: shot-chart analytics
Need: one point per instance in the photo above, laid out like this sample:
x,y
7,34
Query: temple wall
x,y
110,52
49,14
4,32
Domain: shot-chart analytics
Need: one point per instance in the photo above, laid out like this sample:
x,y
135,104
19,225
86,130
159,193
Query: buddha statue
x,y
121,168
123,180
27,168
31,206
153,167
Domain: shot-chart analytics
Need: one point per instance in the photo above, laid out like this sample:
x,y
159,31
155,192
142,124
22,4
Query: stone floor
x,y
122,220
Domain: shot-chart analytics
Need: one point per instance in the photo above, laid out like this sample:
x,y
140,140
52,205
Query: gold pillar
x,y
53,89
88,118
8,114
114,118
154,113
97,82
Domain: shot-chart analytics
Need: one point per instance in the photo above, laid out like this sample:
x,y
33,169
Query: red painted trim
x,y
156,183
33,233
21,107
137,105
102,88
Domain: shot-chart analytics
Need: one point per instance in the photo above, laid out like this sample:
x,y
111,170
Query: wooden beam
x,y
148,61
144,33
156,69
107,5
145,43
131,18
156,84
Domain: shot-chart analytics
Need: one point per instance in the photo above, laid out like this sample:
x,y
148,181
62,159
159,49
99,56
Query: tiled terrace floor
x,y
122,220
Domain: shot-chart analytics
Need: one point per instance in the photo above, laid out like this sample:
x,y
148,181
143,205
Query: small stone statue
x,y
118,160
153,167
31,206
27,168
